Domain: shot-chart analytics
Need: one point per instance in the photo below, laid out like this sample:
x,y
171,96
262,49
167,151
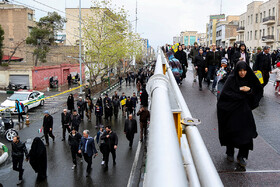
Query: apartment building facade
x,y
259,25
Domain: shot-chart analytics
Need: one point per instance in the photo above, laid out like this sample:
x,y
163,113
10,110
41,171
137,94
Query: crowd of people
x,y
83,145
239,79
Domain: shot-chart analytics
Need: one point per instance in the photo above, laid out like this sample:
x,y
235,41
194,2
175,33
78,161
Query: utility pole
x,y
80,46
221,6
136,18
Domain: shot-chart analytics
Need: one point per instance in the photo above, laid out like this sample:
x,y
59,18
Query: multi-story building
x,y
222,32
176,39
189,37
259,25
17,22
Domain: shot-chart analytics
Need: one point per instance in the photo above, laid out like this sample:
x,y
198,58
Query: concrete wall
x,y
41,75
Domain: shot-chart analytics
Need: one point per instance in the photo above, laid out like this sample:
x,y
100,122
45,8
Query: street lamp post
x,y
80,47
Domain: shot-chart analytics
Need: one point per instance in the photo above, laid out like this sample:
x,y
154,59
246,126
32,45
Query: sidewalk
x,y
60,161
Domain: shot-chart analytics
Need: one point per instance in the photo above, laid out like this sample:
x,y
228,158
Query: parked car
x,y
7,126
30,99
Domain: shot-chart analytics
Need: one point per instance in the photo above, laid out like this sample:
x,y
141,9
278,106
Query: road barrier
x,y
165,166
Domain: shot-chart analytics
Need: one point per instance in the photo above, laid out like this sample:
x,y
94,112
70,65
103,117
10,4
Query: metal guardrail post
x,y
206,171
164,160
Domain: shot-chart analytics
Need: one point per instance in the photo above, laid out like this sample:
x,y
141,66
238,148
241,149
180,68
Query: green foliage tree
x,y
107,39
1,43
43,35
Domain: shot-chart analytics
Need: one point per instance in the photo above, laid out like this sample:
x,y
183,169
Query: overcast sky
x,y
159,20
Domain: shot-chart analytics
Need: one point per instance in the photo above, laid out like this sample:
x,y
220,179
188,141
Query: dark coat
x,y
74,141
263,62
234,108
144,98
47,123
199,61
38,157
129,105
111,141
134,101
132,128
213,58
19,149
91,150
81,105
65,119
98,111
75,121
182,57
193,54
237,55
70,103
144,116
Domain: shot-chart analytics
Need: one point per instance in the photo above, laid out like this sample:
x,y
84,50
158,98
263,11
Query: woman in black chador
x,y
38,158
241,94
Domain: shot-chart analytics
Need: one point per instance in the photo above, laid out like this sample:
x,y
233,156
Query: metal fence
x,y
171,162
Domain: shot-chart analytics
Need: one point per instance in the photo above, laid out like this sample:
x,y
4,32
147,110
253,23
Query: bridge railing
x,y
173,158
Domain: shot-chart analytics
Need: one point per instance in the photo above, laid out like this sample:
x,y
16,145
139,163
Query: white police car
x,y
30,99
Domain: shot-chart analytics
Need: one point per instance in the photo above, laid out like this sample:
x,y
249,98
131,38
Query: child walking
x,y
277,72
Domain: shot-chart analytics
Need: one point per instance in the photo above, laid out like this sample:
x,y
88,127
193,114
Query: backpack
x,y
22,107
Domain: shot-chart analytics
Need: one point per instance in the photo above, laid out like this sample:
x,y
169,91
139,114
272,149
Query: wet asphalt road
x,y
60,160
263,167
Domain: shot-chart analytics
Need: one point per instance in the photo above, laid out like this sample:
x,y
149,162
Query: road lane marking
x,y
133,169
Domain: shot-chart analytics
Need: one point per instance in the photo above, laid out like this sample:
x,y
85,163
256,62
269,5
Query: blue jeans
x,y
211,73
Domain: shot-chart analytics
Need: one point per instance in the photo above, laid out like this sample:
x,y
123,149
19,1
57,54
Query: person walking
x,y
48,127
110,139
241,55
81,107
254,57
213,60
144,117
182,57
199,63
263,64
115,96
101,143
123,101
240,95
87,91
130,128
65,122
74,140
144,98
116,105
233,50
38,158
192,55
129,106
87,149
89,107
107,110
70,103
75,120
69,79
120,80
18,151
19,107
134,100
98,113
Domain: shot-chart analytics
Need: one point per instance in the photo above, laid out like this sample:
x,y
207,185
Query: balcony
x,y
269,20
268,39
240,29
232,38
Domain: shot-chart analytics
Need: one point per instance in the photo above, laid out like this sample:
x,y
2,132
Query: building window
x,y
30,16
261,17
268,31
272,31
250,35
263,32
269,11
263,14
260,34
251,18
273,11
29,30
256,18
256,34
248,21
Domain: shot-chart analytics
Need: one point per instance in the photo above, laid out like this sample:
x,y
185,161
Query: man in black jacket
x,y
129,106
110,139
18,151
74,141
263,63
213,61
48,127
75,120
130,128
199,63
241,55
65,122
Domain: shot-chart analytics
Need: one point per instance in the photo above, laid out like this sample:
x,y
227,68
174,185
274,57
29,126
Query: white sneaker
x,y
74,166
19,182
103,162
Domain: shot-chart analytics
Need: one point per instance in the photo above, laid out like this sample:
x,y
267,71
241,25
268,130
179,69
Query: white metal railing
x,y
165,166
